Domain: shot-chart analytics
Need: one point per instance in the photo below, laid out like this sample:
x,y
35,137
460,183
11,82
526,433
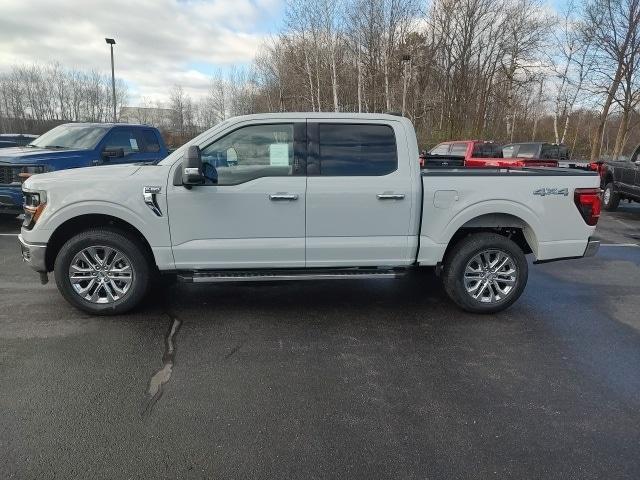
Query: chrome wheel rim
x,y
607,195
490,276
101,274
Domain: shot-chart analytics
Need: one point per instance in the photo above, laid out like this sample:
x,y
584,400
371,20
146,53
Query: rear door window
x,y
486,150
124,138
527,150
509,151
150,140
550,152
357,150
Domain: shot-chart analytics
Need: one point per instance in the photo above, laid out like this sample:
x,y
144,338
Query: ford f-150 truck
x,y
621,180
477,153
300,196
75,145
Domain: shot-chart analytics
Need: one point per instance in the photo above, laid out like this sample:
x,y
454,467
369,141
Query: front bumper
x,y
34,255
11,199
592,248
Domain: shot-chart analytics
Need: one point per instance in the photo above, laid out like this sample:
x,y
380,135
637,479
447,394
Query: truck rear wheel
x,y
485,273
102,271
610,198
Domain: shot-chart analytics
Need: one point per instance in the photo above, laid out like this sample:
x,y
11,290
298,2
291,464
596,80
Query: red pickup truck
x,y
479,153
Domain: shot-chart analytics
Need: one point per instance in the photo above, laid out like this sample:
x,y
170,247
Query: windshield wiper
x,y
54,146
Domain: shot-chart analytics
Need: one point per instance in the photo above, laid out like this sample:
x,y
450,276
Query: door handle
x,y
283,196
390,196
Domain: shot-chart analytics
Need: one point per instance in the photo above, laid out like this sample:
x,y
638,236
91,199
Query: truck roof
x,y
105,125
323,115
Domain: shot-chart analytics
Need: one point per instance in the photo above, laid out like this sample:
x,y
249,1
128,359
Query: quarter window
x,y
357,150
248,153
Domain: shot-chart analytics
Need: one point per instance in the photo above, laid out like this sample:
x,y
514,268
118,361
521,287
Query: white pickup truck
x,y
299,196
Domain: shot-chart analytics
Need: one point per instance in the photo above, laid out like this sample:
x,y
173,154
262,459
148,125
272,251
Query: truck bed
x,y
498,172
544,209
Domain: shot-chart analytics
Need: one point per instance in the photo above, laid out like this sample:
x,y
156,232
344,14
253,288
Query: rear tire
x,y
102,271
485,273
610,198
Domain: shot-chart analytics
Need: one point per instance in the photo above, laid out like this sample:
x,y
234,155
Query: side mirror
x,y
192,167
108,153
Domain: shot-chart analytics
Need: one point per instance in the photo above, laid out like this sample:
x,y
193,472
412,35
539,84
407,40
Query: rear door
x,y
627,175
359,195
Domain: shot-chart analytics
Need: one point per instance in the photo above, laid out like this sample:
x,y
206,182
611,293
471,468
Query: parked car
x,y
16,139
310,196
479,153
621,180
75,145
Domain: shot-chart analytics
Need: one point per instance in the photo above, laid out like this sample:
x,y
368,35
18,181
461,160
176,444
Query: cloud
x,y
158,41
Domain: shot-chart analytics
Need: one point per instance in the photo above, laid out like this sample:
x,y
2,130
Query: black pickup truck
x,y
621,180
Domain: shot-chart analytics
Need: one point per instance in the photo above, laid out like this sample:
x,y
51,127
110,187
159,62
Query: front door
x,y
251,211
359,196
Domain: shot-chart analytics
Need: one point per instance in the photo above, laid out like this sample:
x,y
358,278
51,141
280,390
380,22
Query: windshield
x,y
68,136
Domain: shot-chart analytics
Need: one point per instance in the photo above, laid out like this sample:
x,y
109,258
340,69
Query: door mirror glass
x,y
192,167
113,153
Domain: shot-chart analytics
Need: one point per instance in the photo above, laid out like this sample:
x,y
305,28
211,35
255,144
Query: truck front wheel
x,y
102,271
610,198
485,273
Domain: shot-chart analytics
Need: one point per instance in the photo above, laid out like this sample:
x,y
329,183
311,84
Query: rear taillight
x,y
588,202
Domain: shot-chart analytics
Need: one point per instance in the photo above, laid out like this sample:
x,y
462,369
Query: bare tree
x,y
613,26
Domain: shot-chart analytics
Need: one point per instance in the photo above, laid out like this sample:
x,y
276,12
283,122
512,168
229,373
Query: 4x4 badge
x,y
551,191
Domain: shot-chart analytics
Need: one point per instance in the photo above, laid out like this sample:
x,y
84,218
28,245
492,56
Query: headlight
x,y
34,203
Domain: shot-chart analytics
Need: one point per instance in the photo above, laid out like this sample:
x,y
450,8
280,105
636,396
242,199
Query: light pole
x,y
406,62
111,43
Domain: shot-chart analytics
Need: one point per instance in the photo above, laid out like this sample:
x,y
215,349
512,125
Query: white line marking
x,y
619,245
8,234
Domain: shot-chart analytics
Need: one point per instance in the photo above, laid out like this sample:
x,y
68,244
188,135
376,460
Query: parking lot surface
x,y
352,379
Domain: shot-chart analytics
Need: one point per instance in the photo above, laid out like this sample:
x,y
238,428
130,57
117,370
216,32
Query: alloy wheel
x,y
490,276
101,274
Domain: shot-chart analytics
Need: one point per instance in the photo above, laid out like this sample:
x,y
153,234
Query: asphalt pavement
x,y
352,379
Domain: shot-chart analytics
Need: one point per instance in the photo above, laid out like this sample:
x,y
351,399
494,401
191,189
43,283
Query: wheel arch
x,y
74,225
505,224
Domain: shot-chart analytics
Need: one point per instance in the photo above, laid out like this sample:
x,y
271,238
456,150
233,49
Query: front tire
x,y
610,198
102,271
485,273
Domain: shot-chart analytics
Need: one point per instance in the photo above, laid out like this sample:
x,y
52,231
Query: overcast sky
x,y
159,42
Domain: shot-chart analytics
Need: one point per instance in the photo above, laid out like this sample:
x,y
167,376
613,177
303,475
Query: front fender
x,y
153,228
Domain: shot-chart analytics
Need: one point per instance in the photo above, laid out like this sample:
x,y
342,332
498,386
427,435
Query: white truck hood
x,y
105,173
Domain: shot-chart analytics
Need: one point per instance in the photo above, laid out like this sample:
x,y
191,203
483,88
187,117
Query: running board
x,y
221,276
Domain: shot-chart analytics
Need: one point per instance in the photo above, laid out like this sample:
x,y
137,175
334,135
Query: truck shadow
x,y
417,297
